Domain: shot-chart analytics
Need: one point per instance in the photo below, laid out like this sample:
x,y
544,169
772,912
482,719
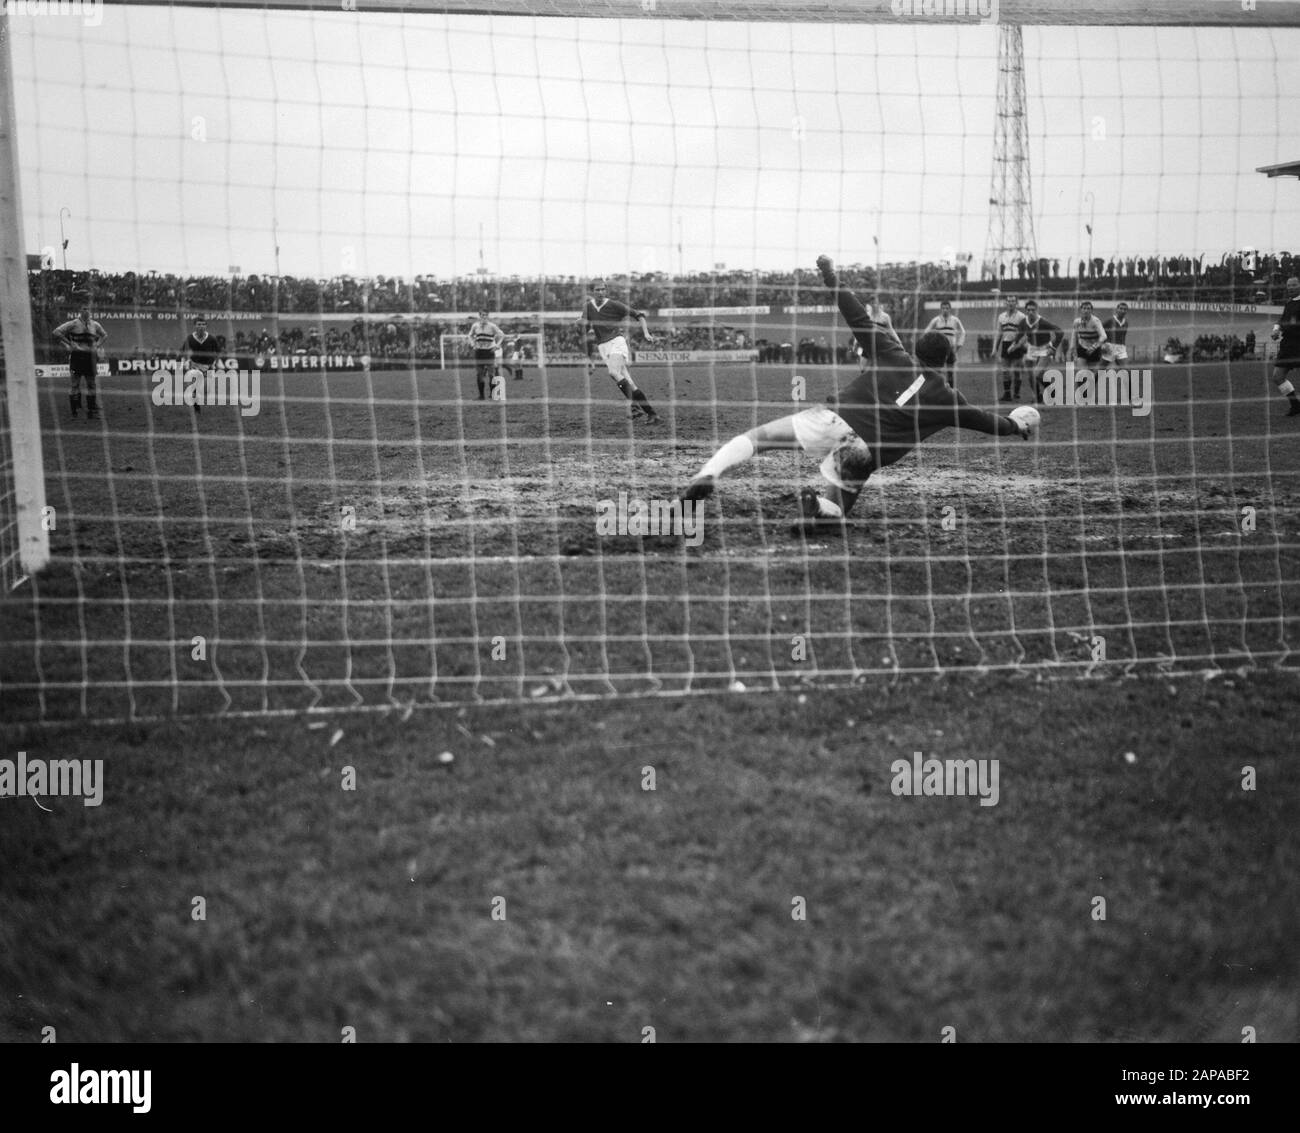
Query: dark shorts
x,y
1009,353
485,357
83,365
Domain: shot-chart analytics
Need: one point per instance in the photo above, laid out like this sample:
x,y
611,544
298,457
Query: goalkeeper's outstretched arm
x,y
878,345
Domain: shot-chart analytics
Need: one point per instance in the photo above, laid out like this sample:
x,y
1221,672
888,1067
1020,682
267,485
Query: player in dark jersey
x,y
1286,333
605,319
81,336
880,417
1116,328
200,352
1044,344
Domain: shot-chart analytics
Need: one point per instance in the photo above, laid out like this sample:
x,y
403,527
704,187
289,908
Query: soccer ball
x,y
1027,416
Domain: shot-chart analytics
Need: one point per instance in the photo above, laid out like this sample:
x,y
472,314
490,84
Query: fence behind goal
x,y
351,526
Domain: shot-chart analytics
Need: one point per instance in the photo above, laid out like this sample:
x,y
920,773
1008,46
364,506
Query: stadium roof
x,y
1285,169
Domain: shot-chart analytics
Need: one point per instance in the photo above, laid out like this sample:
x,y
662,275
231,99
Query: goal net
x,y
335,192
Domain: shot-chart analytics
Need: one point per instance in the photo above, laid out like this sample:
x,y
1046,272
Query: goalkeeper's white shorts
x,y
1112,352
616,345
821,433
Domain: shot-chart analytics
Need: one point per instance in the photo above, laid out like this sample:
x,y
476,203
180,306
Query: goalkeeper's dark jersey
x,y
896,403
1289,323
607,318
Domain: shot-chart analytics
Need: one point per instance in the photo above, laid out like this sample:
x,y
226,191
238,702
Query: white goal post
x,y
454,348
22,515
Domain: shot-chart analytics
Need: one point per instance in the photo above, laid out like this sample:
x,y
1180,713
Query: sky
x,y
193,140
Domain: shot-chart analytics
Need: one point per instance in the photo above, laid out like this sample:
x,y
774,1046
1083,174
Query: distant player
x,y
606,318
1012,342
949,325
880,316
1045,340
515,356
1087,337
1116,328
880,417
879,312
200,352
1286,333
81,336
485,336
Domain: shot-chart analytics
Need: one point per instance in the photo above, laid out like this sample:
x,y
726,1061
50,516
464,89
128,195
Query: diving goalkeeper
x,y
895,404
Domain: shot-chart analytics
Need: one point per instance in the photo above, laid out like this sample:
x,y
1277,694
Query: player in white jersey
x,y
878,312
950,326
1012,343
486,338
81,336
1087,337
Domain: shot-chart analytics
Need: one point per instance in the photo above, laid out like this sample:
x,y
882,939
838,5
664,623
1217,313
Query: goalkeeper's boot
x,y
92,407
74,401
701,488
826,266
1294,411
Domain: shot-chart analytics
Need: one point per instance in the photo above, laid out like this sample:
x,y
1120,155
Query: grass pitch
x,y
626,908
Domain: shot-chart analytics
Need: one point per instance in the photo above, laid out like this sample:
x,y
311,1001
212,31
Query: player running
x,y
606,318
1012,343
485,336
1087,337
949,325
1286,333
81,336
880,417
1045,340
200,352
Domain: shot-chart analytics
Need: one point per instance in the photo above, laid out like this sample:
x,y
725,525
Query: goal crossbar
x,y
1099,13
